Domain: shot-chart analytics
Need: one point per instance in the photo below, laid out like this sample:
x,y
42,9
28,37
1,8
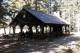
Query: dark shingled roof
x,y
47,18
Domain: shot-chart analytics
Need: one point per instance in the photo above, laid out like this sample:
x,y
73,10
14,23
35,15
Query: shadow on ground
x,y
39,46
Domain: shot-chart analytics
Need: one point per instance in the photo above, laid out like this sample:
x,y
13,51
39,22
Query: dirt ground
x,y
65,44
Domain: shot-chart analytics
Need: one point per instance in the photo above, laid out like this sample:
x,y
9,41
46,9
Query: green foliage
x,y
28,6
2,11
45,1
2,23
2,19
56,6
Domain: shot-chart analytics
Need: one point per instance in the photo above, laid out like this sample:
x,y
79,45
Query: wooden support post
x,y
36,30
4,29
13,31
69,29
66,29
21,28
60,29
30,29
42,31
50,29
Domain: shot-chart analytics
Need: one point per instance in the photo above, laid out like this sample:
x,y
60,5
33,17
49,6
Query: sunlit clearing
x,y
24,30
11,30
34,29
72,43
6,46
1,31
76,34
51,52
17,30
36,52
7,30
61,47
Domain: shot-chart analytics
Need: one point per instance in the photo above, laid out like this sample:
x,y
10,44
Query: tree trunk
x,y
36,4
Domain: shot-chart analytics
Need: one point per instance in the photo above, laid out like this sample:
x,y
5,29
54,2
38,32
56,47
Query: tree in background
x,y
3,20
56,6
14,6
3,25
